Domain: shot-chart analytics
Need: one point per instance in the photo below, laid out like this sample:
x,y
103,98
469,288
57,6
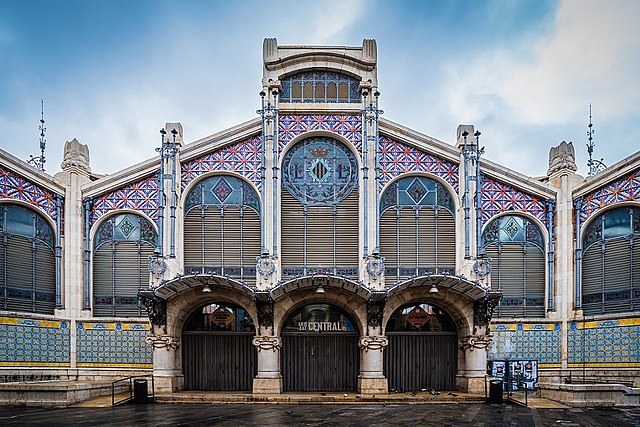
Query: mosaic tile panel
x,y
242,158
397,158
527,341
113,345
15,187
32,342
607,342
140,196
498,197
625,189
348,126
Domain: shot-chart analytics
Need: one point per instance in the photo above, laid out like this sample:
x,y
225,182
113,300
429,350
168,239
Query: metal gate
x,y
218,360
320,362
417,361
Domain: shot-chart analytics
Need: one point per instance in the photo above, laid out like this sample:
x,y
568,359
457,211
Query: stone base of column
x,y
471,383
267,385
168,383
373,385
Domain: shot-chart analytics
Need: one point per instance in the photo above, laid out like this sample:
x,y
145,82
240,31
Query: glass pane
x,y
220,318
320,91
318,318
420,318
20,221
296,91
332,91
343,91
308,90
617,223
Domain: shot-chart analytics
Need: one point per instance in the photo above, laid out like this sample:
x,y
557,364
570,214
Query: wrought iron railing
x,y
123,382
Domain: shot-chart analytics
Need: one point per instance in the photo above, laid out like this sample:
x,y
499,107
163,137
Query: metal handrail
x,y
522,386
130,397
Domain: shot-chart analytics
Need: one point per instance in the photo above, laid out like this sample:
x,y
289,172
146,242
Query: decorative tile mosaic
x,y
140,196
348,126
607,342
242,158
541,341
397,158
498,197
15,187
113,345
625,189
33,342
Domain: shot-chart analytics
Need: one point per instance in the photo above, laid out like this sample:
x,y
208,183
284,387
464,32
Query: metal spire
x,y
594,166
39,162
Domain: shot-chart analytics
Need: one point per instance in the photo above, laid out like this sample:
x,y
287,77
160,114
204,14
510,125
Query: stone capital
x,y
163,341
269,342
472,342
373,343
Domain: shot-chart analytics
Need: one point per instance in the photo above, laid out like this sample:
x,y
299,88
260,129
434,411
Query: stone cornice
x,y
30,173
610,174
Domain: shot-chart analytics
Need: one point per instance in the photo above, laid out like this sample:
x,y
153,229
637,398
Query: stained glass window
x,y
122,247
27,261
320,86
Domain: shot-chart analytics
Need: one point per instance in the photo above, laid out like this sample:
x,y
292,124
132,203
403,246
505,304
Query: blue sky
x,y
111,73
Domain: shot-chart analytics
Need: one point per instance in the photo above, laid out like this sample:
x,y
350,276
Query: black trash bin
x,y
140,390
495,391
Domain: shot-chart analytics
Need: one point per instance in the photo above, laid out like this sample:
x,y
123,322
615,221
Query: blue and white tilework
x,y
540,341
33,342
113,345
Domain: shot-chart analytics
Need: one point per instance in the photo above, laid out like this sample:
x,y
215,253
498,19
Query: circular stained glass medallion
x,y
320,171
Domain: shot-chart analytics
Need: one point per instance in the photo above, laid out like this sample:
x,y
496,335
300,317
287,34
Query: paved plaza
x,y
319,415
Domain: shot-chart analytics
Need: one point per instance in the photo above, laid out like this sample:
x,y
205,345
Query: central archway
x,y
320,350
218,350
422,351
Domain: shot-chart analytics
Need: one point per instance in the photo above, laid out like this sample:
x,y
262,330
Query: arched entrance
x,y
320,350
217,349
422,351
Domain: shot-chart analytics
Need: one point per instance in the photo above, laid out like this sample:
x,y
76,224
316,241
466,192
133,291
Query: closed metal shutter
x,y
45,273
389,242
20,273
592,279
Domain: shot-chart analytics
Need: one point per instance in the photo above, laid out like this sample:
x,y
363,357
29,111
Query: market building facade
x,y
318,247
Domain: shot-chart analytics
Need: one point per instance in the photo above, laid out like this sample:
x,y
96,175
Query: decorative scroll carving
x,y
483,309
473,342
156,308
375,265
373,343
375,310
265,313
267,343
163,341
562,157
265,266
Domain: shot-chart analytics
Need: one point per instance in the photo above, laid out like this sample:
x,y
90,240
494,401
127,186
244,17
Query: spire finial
x,y
594,166
39,162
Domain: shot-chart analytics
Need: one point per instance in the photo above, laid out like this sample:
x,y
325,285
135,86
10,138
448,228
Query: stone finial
x,y
461,129
562,159
76,156
370,49
179,136
269,49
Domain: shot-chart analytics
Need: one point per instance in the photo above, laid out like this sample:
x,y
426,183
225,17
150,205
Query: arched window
x,y
27,261
516,248
320,86
319,209
611,262
417,229
122,247
222,228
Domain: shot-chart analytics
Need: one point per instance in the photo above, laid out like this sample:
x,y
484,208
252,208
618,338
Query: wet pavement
x,y
472,414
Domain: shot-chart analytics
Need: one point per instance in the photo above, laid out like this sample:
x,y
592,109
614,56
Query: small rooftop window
x,y
320,86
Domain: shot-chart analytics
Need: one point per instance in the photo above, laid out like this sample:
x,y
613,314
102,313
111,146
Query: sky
x,y
112,73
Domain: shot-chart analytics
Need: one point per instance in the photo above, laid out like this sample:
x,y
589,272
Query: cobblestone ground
x,y
318,415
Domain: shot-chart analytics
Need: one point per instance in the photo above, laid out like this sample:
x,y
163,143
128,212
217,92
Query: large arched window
x,y
27,261
417,229
222,228
320,86
319,209
611,262
122,247
516,248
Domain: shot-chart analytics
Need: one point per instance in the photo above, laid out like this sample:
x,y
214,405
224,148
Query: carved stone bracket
x,y
265,313
163,341
375,310
156,308
472,342
267,343
373,343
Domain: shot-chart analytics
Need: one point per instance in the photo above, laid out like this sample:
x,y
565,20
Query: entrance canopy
x,y
458,284
320,280
172,287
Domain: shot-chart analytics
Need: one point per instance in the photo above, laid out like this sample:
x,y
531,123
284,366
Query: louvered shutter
x,y
389,244
617,275
446,240
250,244
103,281
347,230
592,279
193,241
534,270
45,279
292,252
20,259
213,238
427,247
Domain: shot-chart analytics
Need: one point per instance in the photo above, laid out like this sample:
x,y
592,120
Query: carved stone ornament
x,y
472,342
373,343
272,343
482,266
265,313
375,266
265,266
375,310
483,308
163,341
76,156
562,157
156,307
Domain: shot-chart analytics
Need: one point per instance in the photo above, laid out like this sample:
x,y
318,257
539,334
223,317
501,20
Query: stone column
x,y
268,380
371,379
471,379
167,377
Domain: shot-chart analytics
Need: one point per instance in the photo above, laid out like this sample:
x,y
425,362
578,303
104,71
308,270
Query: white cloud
x,y
332,20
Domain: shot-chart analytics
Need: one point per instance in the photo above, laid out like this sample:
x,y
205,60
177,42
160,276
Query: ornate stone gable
x,y
498,197
623,190
139,196
397,158
13,186
242,158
